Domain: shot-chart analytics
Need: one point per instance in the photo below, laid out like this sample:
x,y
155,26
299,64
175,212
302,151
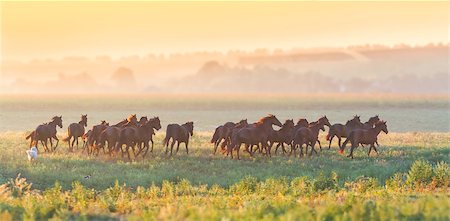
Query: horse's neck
x,y
376,130
186,130
52,124
81,123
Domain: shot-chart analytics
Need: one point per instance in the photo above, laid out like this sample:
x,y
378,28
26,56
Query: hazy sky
x,y
54,29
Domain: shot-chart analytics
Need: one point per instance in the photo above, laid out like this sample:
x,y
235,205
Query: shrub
x,y
441,174
245,186
325,182
363,184
301,186
420,174
396,182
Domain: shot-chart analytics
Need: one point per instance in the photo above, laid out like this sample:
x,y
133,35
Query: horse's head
x,y
382,125
272,120
84,120
132,118
356,118
243,122
143,120
374,120
325,121
302,122
58,121
289,123
190,127
155,122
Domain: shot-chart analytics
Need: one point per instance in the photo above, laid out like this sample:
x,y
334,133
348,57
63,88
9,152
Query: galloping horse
x,y
223,133
94,136
340,130
76,130
282,136
146,132
309,136
363,136
46,132
257,133
371,122
179,134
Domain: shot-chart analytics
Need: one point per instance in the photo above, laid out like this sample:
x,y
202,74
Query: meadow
x,y
408,180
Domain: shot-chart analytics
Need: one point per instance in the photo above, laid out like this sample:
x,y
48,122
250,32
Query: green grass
x,y
206,186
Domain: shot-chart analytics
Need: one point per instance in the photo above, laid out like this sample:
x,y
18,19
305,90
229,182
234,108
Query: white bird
x,y
32,154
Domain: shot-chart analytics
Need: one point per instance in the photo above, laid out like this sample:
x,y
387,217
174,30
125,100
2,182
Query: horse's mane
x,y
263,119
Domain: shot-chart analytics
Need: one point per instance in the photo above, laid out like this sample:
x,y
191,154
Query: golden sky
x,y
54,29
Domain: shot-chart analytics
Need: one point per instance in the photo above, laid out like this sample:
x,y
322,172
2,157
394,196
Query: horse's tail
x,y
31,135
68,135
330,133
215,136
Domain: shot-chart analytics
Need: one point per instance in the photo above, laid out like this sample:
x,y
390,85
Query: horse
x,y
282,136
93,137
223,133
143,120
146,132
111,135
340,130
46,132
31,137
363,136
128,135
179,134
76,130
302,122
255,134
309,136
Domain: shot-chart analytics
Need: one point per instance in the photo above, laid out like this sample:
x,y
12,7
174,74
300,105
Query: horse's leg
x,y
329,144
128,152
167,146
147,147
151,140
73,143
376,151
339,139
77,143
46,145
370,150
171,146
187,146
376,142
178,146
318,141
57,142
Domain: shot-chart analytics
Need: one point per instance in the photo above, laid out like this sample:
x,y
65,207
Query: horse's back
x,y
76,130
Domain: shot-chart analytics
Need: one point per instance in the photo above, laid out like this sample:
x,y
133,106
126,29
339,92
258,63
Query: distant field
x,y
206,186
404,113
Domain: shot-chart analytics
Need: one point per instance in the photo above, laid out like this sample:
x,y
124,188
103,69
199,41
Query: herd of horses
x,y
259,137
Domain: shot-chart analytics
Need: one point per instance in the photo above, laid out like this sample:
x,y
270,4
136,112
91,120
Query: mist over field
x,y
367,68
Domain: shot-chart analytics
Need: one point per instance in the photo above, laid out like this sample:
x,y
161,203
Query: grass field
x,y
408,180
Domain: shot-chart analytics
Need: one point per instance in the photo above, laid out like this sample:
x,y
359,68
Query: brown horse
x,y
46,132
257,133
110,135
340,130
76,130
179,134
223,134
302,122
143,120
363,136
282,136
309,136
146,132
128,136
94,136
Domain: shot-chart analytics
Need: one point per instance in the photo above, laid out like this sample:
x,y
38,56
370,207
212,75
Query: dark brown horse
x,y
46,132
309,136
302,122
76,130
179,134
363,136
282,136
146,132
340,130
223,134
371,122
109,135
257,133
